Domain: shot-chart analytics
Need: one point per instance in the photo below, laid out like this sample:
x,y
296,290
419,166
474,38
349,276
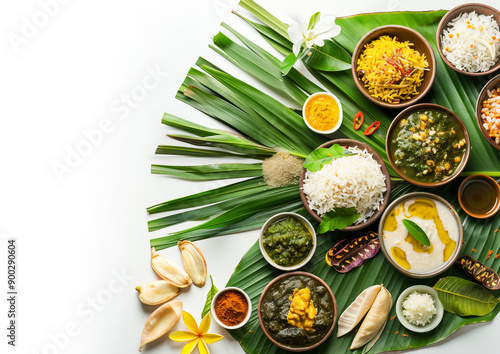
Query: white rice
x,y
418,308
350,181
471,42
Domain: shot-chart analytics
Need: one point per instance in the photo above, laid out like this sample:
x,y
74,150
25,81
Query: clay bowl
x,y
374,217
387,252
405,113
403,34
289,347
491,85
496,192
480,9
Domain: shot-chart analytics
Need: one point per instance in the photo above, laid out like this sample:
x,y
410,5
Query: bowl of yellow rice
x,y
393,66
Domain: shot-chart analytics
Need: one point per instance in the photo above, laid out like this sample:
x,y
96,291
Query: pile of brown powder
x,y
282,169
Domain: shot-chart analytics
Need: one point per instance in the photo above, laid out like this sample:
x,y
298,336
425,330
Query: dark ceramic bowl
x,y
403,34
480,9
405,113
374,217
295,348
446,265
491,85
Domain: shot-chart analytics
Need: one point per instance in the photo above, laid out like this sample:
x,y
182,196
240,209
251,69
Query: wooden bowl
x,y
490,85
403,34
374,217
480,9
298,348
405,113
444,266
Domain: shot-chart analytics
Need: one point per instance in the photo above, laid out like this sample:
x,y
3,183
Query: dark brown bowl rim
x,y
444,22
497,190
407,112
357,51
478,110
452,258
385,171
301,349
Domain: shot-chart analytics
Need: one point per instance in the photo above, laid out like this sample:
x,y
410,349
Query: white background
x,y
76,231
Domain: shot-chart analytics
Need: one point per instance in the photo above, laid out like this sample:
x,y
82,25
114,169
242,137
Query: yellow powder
x,y
322,112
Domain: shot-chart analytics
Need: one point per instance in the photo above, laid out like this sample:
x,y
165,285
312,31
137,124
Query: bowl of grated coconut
x,y
418,308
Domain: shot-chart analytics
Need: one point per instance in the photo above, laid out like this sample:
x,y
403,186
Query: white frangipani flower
x,y
300,33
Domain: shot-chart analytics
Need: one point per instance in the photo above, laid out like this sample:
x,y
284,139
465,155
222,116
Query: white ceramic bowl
x,y
435,320
306,224
339,123
214,316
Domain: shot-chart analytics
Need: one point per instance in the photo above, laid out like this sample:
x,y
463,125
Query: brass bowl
x,y
493,184
480,9
376,157
490,85
306,347
403,34
405,113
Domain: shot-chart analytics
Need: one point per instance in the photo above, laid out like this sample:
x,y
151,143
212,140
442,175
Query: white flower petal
x,y
324,24
295,33
317,41
335,31
299,20
297,46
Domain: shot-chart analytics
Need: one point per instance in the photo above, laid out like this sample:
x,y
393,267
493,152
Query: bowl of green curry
x,y
427,145
287,241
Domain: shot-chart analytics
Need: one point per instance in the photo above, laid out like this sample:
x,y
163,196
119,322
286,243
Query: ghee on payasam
x,y
435,219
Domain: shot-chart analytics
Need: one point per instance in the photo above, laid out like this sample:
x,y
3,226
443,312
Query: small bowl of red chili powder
x,y
231,308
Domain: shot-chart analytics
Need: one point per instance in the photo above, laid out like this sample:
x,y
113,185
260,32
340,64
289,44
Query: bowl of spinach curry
x,y
427,145
287,241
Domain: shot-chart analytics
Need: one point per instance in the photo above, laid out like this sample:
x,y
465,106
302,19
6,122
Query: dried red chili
x,y
372,128
359,116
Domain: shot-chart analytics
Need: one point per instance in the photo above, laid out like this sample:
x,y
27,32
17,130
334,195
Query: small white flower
x,y
300,34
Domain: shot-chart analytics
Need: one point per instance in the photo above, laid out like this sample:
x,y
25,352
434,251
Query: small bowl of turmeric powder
x,y
231,308
322,113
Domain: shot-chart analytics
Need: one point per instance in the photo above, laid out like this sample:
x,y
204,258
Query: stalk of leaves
x,y
464,297
211,293
417,232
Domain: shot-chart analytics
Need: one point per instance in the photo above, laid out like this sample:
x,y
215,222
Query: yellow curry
x,y
302,310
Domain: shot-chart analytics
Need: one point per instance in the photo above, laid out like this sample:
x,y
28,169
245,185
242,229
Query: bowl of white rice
x,y
418,308
468,39
360,180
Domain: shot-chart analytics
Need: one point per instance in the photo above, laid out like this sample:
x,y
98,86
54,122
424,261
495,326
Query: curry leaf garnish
x,y
417,232
320,157
337,219
211,293
464,297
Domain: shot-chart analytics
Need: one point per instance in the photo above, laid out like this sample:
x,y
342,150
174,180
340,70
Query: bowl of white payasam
x,y
437,218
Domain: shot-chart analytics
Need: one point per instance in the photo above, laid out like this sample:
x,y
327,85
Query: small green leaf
x,y
329,57
417,232
320,157
288,63
464,297
338,219
211,293
314,20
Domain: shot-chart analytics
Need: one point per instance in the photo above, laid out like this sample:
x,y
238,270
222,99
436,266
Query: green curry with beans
x,y
427,146
287,241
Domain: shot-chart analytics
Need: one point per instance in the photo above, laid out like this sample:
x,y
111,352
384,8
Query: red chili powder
x,y
231,308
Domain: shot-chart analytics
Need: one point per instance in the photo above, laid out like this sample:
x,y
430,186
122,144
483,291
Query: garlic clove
x,y
169,271
157,292
161,321
194,262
